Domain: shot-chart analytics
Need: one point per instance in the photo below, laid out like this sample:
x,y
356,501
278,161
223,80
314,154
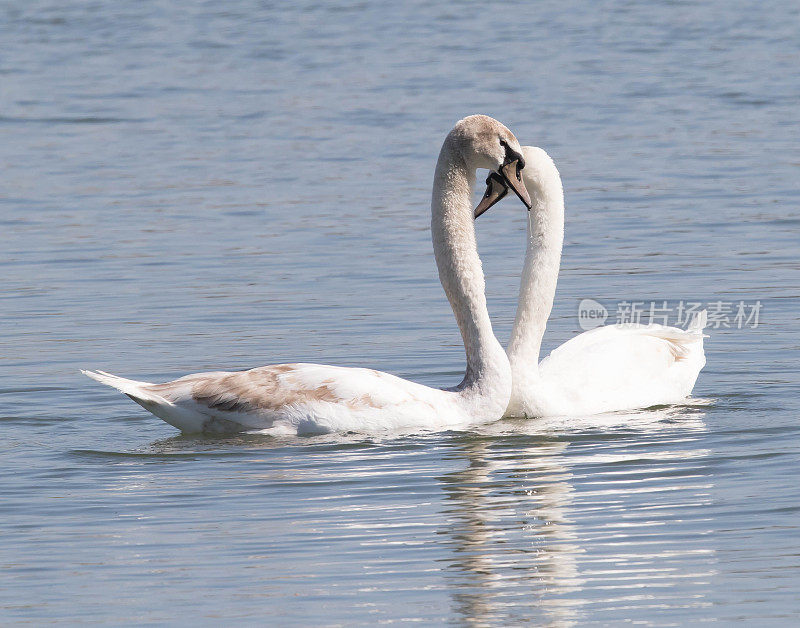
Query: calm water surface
x,y
192,186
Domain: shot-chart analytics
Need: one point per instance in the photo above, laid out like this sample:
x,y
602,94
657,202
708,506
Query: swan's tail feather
x,y
698,323
144,393
678,345
135,390
681,343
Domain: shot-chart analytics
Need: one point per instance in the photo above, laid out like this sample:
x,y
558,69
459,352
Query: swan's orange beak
x,y
511,174
496,189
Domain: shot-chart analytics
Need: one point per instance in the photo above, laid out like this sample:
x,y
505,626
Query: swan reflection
x,y
521,549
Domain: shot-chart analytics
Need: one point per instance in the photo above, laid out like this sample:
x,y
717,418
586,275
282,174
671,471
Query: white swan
x,y
616,367
312,398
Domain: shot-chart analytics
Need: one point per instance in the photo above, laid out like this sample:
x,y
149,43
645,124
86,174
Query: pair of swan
x,y
610,368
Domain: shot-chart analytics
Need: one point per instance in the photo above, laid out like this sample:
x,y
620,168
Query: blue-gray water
x,y
193,186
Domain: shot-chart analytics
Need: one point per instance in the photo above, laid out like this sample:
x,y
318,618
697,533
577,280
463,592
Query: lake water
x,y
196,186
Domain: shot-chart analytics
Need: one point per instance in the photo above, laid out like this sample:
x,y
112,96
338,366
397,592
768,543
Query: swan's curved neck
x,y
539,277
453,233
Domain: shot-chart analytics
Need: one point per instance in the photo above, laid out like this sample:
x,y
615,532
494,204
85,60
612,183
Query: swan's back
x,y
622,367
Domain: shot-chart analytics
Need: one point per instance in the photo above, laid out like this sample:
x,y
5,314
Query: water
x,y
193,186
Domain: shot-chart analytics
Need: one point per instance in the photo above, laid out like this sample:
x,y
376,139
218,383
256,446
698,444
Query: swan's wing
x,y
621,367
272,388
309,396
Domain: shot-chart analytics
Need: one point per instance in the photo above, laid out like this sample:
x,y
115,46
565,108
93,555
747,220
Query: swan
x,y
609,368
315,399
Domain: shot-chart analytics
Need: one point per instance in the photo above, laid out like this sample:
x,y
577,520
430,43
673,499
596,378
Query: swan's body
x,y
617,367
299,398
312,398
612,368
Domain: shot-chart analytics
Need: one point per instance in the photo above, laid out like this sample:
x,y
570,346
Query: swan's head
x,y
483,142
539,167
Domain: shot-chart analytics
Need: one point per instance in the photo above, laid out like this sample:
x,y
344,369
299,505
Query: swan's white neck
x,y
487,382
539,277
